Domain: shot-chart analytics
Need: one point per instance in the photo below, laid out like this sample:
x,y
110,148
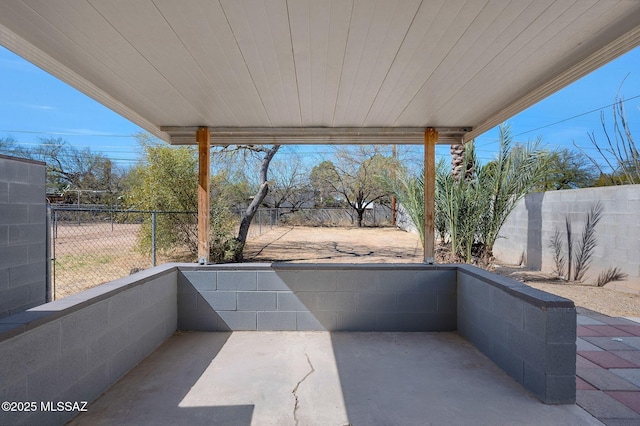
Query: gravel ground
x,y
600,299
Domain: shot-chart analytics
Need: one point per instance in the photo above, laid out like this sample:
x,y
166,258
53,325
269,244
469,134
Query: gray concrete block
x,y
310,280
535,381
14,214
4,193
336,301
123,305
287,301
238,321
25,193
508,362
270,281
237,280
357,321
153,338
26,233
560,390
508,308
527,347
37,214
417,301
535,321
13,256
257,301
413,321
86,324
356,280
201,280
560,359
4,235
447,301
11,298
203,319
20,275
445,280
16,391
43,383
309,299
107,344
90,386
277,321
398,280
124,360
316,321
377,302
29,351
561,325
220,300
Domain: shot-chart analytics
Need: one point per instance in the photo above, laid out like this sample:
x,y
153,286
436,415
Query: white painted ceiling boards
x,y
319,71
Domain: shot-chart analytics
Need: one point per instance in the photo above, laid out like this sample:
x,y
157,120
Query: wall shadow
x,y
153,391
533,204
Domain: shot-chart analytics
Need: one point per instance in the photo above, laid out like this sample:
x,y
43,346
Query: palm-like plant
x,y
471,211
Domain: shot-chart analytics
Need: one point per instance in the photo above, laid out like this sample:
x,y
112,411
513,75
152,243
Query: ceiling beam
x,y
316,135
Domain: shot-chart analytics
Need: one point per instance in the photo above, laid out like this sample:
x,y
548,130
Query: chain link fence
x,y
92,244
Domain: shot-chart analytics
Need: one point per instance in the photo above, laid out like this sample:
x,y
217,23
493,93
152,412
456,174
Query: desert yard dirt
x,y
89,255
391,245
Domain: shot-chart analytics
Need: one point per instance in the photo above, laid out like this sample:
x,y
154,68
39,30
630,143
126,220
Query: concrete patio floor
x,y
321,378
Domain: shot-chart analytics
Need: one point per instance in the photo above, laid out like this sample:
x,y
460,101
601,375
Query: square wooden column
x,y
204,179
430,140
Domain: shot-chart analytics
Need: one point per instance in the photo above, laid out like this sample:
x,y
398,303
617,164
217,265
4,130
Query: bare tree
x,y
620,152
358,175
267,154
290,187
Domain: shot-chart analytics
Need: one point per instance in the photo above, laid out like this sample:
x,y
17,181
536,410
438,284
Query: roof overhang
x,y
312,71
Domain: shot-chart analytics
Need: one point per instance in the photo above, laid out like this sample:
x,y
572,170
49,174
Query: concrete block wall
x,y
528,230
23,235
73,349
331,297
528,333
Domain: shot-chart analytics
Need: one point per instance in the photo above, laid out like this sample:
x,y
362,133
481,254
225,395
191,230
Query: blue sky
x,y
36,105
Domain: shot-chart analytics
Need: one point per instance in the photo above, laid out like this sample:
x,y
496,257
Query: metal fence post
x,y
48,293
153,238
260,222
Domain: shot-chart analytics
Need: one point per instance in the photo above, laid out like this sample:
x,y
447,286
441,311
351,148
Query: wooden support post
x,y
430,140
202,137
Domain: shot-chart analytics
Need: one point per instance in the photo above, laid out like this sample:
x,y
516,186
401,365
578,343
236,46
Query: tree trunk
x,y
255,203
360,217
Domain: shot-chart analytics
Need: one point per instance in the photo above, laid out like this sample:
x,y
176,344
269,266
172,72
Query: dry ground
x,y
387,245
88,255
335,245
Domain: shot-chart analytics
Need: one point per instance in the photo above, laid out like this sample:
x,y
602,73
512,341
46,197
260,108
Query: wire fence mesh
x,y
93,244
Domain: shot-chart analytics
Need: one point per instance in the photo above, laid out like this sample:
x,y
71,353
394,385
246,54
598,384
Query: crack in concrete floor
x,y
295,390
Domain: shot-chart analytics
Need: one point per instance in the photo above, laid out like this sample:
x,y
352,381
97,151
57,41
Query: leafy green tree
x,y
323,181
166,180
568,169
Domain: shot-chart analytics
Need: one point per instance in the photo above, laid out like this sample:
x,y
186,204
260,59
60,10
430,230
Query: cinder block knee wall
x,y
373,297
528,333
73,349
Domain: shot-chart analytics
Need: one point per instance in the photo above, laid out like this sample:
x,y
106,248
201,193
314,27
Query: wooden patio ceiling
x,y
319,71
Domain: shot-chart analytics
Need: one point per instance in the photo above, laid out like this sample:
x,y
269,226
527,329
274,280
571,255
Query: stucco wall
x,y
529,229
22,235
